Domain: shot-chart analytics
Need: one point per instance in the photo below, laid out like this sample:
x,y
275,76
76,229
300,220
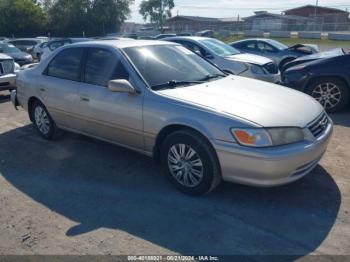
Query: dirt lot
x,y
82,196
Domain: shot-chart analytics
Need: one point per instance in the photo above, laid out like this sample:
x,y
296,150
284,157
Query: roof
x,y
318,7
286,17
194,38
120,44
196,18
206,19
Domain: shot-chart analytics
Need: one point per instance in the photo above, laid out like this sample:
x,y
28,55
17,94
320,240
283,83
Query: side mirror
x,y
121,86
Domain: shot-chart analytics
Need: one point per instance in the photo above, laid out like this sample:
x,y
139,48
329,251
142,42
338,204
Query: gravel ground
x,y
82,196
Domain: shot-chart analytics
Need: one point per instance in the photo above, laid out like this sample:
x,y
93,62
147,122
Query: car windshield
x,y
165,64
219,48
277,44
8,48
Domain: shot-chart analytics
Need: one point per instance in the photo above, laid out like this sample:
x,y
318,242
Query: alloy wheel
x,y
42,120
327,94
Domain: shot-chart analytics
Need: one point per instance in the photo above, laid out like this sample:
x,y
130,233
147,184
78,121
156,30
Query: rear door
x,y
59,84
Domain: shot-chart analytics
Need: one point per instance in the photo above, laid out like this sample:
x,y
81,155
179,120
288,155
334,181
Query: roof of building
x,y
196,18
263,14
334,10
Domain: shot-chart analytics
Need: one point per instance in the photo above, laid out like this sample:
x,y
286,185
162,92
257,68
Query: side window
x,y
66,64
195,48
103,66
250,45
265,47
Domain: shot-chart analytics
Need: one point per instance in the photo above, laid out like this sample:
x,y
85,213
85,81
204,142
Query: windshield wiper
x,y
209,77
174,83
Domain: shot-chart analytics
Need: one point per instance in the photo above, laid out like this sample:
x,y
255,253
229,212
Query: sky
x,y
233,8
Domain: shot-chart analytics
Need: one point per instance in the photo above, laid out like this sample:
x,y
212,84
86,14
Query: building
x,y
324,18
265,21
194,24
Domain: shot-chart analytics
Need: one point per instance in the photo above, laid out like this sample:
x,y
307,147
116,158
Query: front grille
x,y
318,126
7,67
272,68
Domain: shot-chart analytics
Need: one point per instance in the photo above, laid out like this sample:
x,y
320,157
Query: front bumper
x,y
272,78
7,82
266,167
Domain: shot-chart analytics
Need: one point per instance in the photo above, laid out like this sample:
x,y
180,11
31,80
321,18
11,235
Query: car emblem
x,y
323,123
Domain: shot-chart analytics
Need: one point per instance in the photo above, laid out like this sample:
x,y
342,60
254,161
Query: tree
x,y
109,15
93,17
157,11
21,18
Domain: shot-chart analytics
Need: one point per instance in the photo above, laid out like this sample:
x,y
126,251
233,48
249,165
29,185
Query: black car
x,y
326,79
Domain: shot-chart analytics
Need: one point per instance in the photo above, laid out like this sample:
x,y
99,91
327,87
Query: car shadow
x,y
4,97
341,118
99,185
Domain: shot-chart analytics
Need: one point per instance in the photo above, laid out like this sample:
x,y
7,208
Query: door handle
x,y
85,99
42,89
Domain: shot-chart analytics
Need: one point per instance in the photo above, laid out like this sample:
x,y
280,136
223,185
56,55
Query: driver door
x,y
112,116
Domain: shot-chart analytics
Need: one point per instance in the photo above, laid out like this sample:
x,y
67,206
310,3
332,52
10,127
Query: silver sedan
x,y
157,98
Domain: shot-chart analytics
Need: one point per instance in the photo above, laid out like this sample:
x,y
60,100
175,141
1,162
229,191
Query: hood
x,y
321,55
250,58
262,103
311,49
18,55
5,57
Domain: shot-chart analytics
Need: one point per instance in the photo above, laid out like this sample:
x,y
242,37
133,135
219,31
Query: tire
x,y
43,122
197,171
331,93
284,62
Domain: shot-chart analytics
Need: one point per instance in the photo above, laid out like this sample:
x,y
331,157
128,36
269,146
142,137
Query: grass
x,y
292,41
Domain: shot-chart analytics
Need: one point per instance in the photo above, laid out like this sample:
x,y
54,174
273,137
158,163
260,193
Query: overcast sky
x,y
233,8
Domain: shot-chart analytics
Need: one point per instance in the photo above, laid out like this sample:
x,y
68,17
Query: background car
x,y
27,45
20,57
278,52
7,72
57,43
230,59
162,36
205,33
313,57
327,80
39,50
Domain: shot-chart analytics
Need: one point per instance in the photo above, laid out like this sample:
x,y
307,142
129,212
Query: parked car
x,y
27,45
327,80
230,59
57,43
278,52
20,57
7,72
161,100
39,50
205,33
321,55
162,36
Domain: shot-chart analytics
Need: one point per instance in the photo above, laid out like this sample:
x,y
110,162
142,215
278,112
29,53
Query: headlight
x,y
17,67
257,70
260,137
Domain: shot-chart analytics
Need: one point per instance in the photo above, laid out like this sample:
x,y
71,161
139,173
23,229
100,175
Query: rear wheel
x,y
43,122
190,162
331,93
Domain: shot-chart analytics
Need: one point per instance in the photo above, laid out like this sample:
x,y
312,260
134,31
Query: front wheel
x,y
190,162
331,93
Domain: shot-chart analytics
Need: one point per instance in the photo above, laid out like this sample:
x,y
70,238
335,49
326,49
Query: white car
x,y
8,70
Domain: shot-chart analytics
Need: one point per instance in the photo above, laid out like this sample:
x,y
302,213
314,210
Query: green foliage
x,y
62,17
157,11
21,18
